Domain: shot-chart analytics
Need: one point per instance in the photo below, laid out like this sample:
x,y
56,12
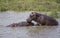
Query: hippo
x,y
42,19
21,24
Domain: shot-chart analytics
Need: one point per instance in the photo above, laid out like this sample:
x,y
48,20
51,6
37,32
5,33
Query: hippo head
x,y
32,16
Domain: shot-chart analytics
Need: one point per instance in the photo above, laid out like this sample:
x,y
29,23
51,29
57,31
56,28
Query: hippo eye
x,y
32,13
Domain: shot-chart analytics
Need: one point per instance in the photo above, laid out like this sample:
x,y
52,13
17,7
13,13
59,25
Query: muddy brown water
x,y
9,17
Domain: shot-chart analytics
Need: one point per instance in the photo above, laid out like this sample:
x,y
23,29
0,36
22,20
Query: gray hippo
x,y
21,24
41,19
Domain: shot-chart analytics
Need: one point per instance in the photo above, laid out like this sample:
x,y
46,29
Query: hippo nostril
x,y
30,23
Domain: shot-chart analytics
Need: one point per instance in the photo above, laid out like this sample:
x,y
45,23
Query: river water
x,y
10,17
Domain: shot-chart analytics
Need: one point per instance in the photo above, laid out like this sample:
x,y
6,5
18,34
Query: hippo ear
x,y
33,13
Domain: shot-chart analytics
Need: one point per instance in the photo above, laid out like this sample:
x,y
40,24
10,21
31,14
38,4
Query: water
x,y
9,17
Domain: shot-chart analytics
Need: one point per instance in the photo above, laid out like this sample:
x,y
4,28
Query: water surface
x,y
9,17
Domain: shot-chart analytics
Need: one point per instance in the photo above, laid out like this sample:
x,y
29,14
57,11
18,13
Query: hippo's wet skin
x,y
42,19
20,24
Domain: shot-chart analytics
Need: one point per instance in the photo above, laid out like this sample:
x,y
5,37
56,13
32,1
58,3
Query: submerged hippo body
x,y
20,24
42,19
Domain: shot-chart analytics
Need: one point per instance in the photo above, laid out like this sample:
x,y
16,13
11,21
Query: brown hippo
x,y
42,19
20,24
